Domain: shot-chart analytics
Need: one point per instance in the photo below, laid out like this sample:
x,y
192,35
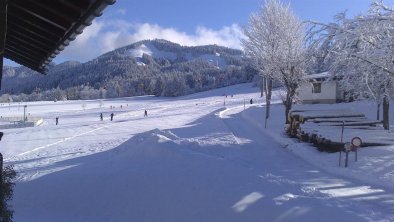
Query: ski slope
x,y
192,159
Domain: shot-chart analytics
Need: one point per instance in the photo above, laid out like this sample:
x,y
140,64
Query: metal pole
x,y
24,113
346,159
355,157
340,157
340,151
343,128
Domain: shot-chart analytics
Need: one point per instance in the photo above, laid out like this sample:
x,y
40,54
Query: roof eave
x,y
95,11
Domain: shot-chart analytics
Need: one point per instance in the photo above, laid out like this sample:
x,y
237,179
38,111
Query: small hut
x,y
320,88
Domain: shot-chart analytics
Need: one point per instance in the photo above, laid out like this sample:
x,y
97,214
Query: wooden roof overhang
x,y
33,32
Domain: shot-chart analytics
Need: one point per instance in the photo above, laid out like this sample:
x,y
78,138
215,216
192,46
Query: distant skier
x,y
251,101
57,120
112,116
101,116
146,113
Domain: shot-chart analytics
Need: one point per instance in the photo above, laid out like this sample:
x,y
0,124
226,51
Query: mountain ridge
x,y
141,68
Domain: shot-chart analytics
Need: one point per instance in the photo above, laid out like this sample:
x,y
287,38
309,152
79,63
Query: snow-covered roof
x,y
319,75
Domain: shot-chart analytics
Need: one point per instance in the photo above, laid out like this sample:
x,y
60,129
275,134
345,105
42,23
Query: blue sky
x,y
186,15
191,22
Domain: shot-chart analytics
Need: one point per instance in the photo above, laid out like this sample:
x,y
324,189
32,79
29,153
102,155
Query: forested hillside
x,y
155,67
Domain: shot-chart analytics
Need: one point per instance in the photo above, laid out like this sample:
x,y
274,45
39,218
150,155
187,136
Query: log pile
x,y
323,128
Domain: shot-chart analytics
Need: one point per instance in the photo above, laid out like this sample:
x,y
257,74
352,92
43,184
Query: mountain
x,y
156,67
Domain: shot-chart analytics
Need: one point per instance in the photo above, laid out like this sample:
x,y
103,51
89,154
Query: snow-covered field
x,y
191,159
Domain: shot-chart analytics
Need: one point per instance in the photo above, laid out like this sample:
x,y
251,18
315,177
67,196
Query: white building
x,y
320,88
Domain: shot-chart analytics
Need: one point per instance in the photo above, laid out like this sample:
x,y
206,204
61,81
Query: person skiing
x,y
146,113
251,101
57,120
112,116
101,116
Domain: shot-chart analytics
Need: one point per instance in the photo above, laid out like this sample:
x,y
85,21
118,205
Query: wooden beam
x,y
17,58
21,14
42,14
18,37
28,33
67,13
24,57
80,4
54,33
3,33
24,52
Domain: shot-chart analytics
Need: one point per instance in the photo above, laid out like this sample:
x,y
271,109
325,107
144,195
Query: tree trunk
x,y
288,108
288,104
386,106
378,111
268,93
291,91
262,87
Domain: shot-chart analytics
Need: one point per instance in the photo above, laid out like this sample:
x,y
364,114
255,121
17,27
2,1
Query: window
x,y
316,88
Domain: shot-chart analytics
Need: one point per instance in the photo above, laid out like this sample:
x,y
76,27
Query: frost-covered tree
x,y
362,49
275,42
5,98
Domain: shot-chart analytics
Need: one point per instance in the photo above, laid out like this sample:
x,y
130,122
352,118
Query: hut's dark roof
x,y
37,30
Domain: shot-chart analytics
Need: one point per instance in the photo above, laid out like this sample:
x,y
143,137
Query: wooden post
x,y
340,157
386,113
3,33
340,151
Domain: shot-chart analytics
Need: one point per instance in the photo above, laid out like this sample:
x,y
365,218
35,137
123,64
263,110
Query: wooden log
x,y
328,116
337,120
316,127
364,123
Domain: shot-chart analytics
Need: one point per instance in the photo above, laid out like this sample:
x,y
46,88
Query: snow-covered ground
x,y
191,159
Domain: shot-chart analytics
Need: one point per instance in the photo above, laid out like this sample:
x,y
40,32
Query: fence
x,y
8,122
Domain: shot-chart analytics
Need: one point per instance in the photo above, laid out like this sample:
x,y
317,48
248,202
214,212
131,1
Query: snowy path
x,y
190,160
311,187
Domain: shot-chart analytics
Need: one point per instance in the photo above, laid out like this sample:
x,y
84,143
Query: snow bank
x,y
375,164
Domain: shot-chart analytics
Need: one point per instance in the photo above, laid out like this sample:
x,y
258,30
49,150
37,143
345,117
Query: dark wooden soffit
x,y
37,30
